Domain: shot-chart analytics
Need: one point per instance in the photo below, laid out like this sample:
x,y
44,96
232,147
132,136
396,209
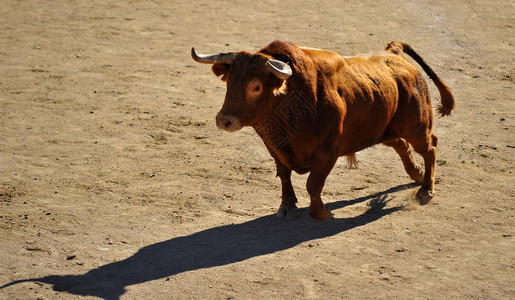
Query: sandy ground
x,y
115,182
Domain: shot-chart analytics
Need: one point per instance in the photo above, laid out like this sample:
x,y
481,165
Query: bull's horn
x,y
279,68
222,58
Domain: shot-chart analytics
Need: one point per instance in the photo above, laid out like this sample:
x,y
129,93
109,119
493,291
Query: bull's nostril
x,y
228,124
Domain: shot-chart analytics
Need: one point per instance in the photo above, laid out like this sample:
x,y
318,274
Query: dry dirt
x,y
115,182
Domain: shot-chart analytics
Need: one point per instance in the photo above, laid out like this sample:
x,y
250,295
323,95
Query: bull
x,y
311,106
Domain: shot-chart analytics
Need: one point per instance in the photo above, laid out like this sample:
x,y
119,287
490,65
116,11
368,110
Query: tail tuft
x,y
447,103
352,162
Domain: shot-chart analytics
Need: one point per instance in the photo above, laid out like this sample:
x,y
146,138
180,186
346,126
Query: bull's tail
x,y
447,99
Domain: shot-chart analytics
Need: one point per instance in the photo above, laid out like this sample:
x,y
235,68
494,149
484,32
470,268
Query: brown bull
x,y
312,106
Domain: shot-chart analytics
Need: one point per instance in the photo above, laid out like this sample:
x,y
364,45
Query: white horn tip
x,y
280,69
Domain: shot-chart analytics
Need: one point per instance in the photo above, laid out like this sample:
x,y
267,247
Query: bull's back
x,y
368,87
365,89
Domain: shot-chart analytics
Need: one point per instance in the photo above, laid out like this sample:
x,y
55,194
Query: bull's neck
x,y
285,120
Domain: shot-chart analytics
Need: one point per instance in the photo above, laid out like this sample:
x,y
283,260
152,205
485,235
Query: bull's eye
x,y
254,89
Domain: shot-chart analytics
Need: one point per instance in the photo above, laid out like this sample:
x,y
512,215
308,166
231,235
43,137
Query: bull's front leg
x,y
288,208
322,166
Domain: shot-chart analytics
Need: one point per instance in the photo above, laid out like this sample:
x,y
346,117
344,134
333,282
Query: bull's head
x,y
253,82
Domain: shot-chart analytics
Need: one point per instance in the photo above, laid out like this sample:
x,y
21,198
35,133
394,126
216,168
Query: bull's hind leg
x,y
410,165
427,148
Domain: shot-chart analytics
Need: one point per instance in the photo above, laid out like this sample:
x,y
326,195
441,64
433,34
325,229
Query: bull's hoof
x,y
288,214
321,214
424,196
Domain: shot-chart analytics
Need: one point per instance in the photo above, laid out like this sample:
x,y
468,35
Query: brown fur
x,y
335,106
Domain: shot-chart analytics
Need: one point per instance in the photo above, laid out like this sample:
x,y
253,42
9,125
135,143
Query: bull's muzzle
x,y
228,122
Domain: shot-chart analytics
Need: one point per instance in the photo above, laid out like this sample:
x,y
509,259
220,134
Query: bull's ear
x,y
278,85
221,69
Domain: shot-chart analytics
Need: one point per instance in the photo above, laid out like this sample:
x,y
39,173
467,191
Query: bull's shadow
x,y
214,247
